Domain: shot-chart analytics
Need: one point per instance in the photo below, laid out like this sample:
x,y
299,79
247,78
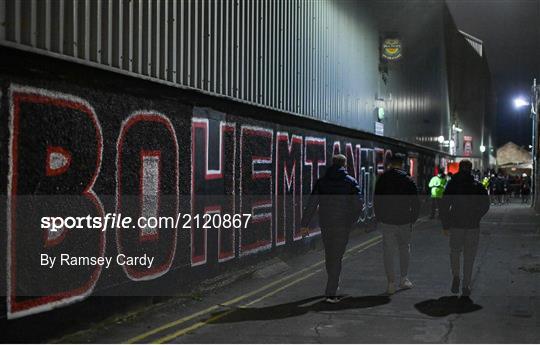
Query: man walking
x,y
338,196
500,188
396,206
436,187
491,189
464,203
525,189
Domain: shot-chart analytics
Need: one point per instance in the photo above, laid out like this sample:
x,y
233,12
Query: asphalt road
x,y
282,304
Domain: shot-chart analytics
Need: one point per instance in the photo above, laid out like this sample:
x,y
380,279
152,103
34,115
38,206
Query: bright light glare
x,y
440,139
456,128
482,148
520,102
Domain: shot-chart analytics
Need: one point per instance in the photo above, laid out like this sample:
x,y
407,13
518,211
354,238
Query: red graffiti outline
x,y
144,237
288,181
62,169
149,116
40,96
203,123
256,175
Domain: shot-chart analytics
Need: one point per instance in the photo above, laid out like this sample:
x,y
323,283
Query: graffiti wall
x,y
72,151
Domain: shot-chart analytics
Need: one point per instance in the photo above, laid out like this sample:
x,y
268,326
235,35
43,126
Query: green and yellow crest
x,y
391,49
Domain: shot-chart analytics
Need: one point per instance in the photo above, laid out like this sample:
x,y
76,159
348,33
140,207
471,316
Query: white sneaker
x,y
405,283
332,299
391,289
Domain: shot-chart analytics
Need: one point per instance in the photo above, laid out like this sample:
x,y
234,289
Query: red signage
x,y
467,146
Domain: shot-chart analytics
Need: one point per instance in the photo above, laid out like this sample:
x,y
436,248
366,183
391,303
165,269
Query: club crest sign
x,y
391,49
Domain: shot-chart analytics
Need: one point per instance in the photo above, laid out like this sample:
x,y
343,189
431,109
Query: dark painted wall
x,y
76,141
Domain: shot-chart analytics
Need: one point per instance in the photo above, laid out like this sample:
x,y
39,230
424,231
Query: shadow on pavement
x,y
297,308
447,305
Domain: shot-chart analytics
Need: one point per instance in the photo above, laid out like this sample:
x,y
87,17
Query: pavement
x,y
285,305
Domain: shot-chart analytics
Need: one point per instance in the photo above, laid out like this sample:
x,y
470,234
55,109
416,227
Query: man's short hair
x,y
339,160
465,166
396,161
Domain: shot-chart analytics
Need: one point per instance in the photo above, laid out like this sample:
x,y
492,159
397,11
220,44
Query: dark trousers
x,y
335,241
434,206
463,241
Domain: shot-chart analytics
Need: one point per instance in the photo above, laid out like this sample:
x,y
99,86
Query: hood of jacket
x,y
400,172
336,173
463,178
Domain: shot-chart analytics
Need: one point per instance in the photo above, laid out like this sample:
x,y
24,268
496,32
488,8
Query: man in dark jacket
x,y
463,205
500,188
338,197
396,206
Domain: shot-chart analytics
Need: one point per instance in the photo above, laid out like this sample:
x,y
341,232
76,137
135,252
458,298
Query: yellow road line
x,y
200,324
241,297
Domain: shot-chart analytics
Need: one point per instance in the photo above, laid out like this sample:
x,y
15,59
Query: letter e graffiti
x,y
256,151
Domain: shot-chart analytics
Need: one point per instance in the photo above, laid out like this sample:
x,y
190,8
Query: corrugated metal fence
x,y
306,57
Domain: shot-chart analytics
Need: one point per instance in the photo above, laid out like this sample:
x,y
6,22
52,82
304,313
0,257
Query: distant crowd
x,y
502,188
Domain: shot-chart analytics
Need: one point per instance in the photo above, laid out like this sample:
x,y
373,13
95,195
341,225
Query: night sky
x,y
510,30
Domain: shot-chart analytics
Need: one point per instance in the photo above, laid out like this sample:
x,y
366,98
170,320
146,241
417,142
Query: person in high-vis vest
x,y
485,182
436,186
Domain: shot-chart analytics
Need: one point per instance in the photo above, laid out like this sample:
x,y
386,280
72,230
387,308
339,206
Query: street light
x,y
535,101
482,148
520,102
456,128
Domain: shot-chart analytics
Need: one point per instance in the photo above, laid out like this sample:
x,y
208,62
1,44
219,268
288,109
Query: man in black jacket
x,y
396,206
338,197
463,205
